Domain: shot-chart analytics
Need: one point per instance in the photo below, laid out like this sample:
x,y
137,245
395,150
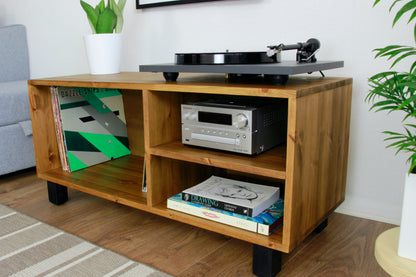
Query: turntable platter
x,y
223,58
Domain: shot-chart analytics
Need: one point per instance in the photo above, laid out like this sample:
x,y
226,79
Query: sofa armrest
x,y
14,102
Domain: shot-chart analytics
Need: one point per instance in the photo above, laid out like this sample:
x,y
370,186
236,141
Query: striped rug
x,y
29,247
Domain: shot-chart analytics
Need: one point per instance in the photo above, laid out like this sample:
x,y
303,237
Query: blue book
x,y
265,223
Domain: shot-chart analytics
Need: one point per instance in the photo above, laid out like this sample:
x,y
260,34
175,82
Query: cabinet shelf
x,y
274,240
271,163
118,180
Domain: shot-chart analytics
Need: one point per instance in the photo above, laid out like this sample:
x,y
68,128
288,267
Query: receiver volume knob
x,y
241,121
193,116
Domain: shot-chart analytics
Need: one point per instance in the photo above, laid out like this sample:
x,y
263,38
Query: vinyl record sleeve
x,y
90,124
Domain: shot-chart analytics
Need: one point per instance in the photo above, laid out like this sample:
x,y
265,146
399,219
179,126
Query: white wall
x,y
348,30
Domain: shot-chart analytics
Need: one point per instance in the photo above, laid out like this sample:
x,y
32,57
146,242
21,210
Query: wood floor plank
x,y
344,248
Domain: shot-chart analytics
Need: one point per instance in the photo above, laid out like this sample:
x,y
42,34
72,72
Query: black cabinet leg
x,y
321,226
57,194
266,262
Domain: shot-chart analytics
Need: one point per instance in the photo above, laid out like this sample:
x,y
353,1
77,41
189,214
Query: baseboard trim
x,y
370,216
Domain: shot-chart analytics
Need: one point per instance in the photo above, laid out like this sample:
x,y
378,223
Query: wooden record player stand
x,y
311,167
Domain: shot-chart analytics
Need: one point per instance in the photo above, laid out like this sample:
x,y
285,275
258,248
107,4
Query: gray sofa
x,y
16,142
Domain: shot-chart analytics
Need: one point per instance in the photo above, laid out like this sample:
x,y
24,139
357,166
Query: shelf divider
x,y
271,163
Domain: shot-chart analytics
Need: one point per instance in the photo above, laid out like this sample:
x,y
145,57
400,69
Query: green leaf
x,y
407,7
408,101
382,75
413,164
410,85
92,15
394,50
411,125
106,21
410,53
118,13
384,103
412,16
381,51
392,5
100,7
121,4
414,32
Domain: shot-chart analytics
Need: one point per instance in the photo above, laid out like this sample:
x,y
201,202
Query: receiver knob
x,y
241,121
193,116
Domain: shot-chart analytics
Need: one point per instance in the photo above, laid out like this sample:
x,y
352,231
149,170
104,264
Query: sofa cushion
x,y
14,102
16,149
14,54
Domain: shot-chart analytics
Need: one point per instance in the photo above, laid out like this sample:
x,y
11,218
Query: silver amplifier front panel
x,y
217,138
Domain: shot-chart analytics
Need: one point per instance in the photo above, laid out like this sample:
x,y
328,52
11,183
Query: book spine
x,y
265,229
208,202
213,215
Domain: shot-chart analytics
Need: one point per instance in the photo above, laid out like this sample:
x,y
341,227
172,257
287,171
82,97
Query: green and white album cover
x,y
92,125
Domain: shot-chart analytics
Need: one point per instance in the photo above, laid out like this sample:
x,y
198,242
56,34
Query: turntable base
x,y
276,73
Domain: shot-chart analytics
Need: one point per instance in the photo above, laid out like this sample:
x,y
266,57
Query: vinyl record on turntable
x,y
223,58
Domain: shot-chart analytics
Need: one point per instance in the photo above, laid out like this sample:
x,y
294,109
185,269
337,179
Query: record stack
x,y
90,126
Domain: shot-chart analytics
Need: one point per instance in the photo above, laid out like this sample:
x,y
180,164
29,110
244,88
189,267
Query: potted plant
x,y
394,91
103,46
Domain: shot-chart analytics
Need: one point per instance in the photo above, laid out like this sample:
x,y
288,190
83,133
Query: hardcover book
x,y
238,197
90,125
265,223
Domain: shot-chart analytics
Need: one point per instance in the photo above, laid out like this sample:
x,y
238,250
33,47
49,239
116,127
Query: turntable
x,y
245,65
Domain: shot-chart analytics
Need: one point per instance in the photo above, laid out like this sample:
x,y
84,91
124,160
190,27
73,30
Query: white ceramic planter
x,y
407,238
103,52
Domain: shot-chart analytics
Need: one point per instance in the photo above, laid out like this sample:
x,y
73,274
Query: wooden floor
x,y
344,248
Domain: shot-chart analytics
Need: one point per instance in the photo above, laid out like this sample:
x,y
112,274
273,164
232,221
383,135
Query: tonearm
x,y
305,50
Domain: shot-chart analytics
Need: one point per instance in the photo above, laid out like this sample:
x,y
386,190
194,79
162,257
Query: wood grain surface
x,y
312,164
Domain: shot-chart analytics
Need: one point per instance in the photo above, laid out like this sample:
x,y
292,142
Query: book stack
x,y
90,126
248,206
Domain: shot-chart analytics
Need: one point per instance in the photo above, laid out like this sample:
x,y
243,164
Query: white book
x,y
239,197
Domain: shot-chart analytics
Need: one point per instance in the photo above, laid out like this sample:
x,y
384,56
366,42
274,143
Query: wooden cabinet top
x,y
297,86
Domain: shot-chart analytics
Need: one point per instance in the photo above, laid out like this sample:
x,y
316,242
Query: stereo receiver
x,y
244,125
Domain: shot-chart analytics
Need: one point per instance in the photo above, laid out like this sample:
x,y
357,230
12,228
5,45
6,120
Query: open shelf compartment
x,y
274,240
118,180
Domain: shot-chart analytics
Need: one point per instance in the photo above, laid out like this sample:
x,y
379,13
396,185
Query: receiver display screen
x,y
217,118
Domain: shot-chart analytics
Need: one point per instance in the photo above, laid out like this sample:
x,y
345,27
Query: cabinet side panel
x,y
133,109
320,159
290,162
43,125
162,116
